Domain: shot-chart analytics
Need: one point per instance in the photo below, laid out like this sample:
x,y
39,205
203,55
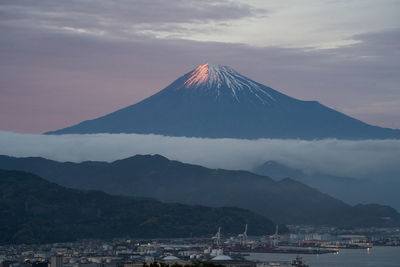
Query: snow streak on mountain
x,y
218,102
218,78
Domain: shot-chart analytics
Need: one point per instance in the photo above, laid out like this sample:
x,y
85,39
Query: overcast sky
x,y
67,61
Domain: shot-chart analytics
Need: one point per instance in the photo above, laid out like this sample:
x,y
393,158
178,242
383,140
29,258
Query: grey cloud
x,y
387,40
343,158
120,16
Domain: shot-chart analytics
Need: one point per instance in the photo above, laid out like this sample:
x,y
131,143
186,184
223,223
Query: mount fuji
x,y
218,102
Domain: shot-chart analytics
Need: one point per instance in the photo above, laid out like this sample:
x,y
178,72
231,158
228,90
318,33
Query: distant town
x,y
217,250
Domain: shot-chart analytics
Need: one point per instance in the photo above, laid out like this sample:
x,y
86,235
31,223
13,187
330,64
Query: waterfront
x,y
318,247
376,257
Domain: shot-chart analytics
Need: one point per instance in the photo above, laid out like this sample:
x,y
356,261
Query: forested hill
x,y
33,210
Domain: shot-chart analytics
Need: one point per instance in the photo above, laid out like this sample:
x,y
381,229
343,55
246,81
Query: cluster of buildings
x,y
230,251
309,236
118,253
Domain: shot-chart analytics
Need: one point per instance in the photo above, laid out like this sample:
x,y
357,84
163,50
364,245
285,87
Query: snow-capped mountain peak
x,y
218,102
199,76
223,79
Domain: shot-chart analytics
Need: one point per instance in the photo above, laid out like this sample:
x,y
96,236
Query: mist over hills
x,y
376,159
218,102
285,201
383,189
33,210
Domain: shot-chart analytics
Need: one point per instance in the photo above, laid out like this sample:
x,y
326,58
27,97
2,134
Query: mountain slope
x,y
286,201
34,210
351,190
218,102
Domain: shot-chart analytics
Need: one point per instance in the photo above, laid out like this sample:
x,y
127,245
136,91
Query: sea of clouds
x,y
365,158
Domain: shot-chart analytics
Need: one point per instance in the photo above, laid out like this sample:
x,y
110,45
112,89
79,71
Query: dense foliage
x,y
33,210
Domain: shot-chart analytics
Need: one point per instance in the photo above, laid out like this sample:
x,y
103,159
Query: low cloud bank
x,y
366,158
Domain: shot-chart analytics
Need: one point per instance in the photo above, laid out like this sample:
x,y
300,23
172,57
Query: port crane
x,y
243,236
217,237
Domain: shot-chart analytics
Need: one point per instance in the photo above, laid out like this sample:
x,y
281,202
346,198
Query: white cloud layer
x,y
365,158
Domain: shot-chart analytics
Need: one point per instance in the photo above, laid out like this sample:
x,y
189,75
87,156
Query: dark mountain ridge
x,y
33,210
218,102
286,201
